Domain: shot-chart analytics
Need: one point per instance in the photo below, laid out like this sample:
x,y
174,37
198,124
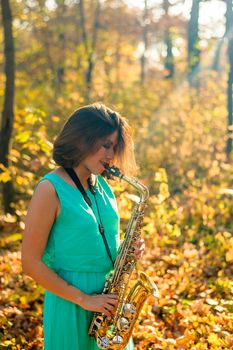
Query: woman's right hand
x,y
104,303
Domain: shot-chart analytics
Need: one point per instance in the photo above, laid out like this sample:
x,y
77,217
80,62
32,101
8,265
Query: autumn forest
x,y
167,67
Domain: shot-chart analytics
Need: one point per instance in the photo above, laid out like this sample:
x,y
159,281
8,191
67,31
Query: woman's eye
x,y
106,146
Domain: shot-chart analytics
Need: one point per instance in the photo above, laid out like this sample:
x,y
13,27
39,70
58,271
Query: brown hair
x,y
83,133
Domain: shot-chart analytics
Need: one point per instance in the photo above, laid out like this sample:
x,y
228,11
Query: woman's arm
x,y
39,220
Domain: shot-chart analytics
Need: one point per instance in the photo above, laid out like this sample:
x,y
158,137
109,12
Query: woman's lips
x,y
105,164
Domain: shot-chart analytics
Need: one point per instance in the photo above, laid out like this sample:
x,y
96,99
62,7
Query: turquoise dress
x,y
76,252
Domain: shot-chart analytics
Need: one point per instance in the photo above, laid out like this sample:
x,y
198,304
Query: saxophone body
x,y
114,332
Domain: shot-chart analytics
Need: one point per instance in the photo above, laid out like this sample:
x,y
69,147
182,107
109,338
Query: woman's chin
x,y
98,172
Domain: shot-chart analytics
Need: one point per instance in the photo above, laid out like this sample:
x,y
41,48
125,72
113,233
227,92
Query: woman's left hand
x,y
139,247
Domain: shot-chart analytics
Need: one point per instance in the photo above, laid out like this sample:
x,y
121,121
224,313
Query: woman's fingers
x,y
105,303
111,304
112,299
110,308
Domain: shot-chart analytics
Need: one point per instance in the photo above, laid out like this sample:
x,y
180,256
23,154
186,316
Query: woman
x,y
63,248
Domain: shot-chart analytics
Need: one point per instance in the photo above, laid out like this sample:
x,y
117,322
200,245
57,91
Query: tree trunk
x,y
145,43
83,25
8,104
91,61
169,60
229,31
193,41
61,10
89,45
215,63
118,60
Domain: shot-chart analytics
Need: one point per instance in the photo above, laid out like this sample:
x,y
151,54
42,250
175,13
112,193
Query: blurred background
x,y
167,66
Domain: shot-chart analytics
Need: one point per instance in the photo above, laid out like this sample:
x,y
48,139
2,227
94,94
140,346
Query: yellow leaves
x,y
14,155
211,302
31,118
127,50
23,136
15,236
173,231
75,96
33,147
213,339
178,135
223,237
163,192
200,307
61,100
30,140
191,174
108,59
9,218
161,178
161,175
229,253
5,174
20,180
45,146
226,241
23,300
190,252
184,340
55,118
219,308
208,215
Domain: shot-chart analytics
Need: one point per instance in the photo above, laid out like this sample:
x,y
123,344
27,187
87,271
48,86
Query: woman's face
x,y
94,163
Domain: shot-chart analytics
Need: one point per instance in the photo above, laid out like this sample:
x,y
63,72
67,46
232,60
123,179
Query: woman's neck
x,y
83,174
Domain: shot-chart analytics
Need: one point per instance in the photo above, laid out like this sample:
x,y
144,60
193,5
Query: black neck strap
x,y
77,182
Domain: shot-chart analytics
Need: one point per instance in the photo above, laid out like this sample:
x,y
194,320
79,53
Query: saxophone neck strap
x,y
77,182
74,177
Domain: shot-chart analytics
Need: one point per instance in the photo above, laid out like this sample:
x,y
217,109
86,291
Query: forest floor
x,y
194,310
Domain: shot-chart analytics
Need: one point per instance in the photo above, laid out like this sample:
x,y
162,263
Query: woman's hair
x,y
84,132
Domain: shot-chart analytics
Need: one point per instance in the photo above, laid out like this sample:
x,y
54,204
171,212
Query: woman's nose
x,y
110,154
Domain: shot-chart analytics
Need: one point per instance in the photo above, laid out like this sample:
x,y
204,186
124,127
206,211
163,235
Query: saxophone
x,y
114,332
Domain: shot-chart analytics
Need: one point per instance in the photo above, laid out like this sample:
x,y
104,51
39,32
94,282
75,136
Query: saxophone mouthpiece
x,y
112,171
106,165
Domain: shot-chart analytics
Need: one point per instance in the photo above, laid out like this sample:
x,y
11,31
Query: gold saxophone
x,y
114,332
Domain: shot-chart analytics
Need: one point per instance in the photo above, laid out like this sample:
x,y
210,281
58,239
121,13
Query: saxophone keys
x,y
103,343
117,340
129,310
123,324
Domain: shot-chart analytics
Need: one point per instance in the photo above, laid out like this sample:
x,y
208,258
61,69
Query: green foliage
x,y
179,138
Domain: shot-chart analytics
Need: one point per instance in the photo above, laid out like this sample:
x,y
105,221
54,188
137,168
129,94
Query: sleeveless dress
x,y
76,252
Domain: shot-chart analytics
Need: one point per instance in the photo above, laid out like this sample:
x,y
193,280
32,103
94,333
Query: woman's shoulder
x,y
51,175
44,184
47,181
45,190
